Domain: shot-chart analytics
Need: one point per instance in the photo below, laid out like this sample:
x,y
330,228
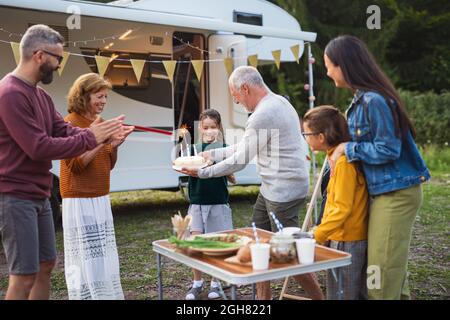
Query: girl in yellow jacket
x,y
345,218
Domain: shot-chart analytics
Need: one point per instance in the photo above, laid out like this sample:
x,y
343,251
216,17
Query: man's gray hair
x,y
37,38
246,75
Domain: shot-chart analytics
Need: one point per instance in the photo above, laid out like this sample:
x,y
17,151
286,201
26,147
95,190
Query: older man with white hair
x,y
272,134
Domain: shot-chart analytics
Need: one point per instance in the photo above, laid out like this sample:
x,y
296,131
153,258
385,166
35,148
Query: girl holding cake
x,y
208,198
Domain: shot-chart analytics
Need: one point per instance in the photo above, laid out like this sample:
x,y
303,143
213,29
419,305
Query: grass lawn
x,y
144,216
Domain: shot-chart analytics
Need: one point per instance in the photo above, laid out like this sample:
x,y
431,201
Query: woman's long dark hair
x,y
361,71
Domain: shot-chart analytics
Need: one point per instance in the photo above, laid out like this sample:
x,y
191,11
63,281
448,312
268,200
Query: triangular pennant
x,y
253,60
228,65
102,64
170,65
63,62
15,46
277,56
138,67
198,68
296,52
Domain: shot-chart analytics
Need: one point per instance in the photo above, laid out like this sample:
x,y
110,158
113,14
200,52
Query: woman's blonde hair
x,y
79,94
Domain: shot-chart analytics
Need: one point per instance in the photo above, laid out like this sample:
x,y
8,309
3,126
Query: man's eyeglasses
x,y
305,134
57,56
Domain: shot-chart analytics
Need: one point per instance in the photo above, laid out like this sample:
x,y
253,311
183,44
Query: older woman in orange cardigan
x,y
90,252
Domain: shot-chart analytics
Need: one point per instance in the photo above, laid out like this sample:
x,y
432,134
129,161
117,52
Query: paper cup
x,y
305,250
260,256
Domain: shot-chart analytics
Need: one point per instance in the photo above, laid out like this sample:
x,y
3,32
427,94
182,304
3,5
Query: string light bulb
x,y
126,34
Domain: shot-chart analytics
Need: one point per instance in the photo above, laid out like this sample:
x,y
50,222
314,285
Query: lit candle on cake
x,y
195,150
184,130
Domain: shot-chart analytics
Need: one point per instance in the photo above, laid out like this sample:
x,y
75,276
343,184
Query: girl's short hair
x,y
79,94
330,122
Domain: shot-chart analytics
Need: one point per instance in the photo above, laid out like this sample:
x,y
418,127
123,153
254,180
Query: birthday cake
x,y
193,161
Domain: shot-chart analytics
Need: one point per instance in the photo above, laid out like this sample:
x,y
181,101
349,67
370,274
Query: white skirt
x,y
90,251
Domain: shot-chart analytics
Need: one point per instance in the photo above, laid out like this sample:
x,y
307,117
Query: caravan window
x,y
154,86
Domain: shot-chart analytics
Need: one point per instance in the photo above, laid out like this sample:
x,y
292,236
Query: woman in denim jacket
x,y
383,141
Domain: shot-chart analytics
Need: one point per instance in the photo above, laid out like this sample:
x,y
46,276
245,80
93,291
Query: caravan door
x,y
234,116
226,46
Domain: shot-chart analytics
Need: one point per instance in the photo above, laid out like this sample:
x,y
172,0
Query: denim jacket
x,y
389,162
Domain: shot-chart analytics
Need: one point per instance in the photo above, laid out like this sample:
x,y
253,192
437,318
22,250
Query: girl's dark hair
x,y
214,115
361,71
330,122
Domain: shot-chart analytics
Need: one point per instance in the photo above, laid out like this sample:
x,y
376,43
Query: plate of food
x,y
216,244
194,162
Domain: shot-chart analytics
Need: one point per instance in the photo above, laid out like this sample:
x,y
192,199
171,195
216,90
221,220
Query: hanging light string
x,y
95,39
147,61
191,46
11,33
90,40
129,31
117,36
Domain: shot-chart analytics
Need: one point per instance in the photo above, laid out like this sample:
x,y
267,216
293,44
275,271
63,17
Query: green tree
x,y
412,45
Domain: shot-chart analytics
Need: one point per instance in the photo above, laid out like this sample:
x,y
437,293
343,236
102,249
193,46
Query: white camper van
x,y
157,30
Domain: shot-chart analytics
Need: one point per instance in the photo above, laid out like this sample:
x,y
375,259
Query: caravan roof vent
x,y
248,18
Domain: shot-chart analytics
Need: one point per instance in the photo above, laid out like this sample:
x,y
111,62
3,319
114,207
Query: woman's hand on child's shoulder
x,y
339,151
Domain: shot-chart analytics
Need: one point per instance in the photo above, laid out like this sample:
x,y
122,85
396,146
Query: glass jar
x,y
282,248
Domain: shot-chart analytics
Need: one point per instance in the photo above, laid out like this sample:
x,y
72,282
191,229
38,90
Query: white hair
x,y
246,75
36,38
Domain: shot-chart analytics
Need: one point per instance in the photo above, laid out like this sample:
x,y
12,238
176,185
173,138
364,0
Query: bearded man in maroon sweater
x,y
32,134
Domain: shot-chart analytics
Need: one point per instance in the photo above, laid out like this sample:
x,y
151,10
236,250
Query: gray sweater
x,y
272,134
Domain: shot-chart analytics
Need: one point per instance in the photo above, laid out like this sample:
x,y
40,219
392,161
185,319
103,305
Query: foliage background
x,y
412,47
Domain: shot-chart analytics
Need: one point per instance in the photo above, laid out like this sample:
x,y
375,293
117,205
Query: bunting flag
x,y
16,51
296,52
198,68
228,62
253,60
277,56
170,66
138,67
102,64
66,56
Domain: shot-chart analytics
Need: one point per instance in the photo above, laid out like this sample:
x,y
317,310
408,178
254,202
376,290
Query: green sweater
x,y
208,191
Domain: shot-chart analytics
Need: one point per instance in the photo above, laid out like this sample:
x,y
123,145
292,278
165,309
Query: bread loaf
x,y
244,255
